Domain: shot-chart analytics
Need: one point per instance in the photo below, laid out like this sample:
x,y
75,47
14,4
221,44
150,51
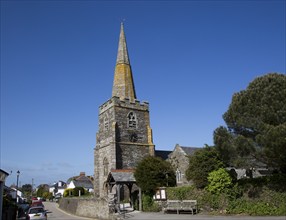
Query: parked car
x,y
37,203
57,197
37,213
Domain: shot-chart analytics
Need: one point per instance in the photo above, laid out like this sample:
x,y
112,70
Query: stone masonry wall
x,y
113,139
91,208
180,161
129,155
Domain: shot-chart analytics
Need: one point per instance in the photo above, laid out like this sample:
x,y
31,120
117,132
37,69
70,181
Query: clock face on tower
x,y
133,137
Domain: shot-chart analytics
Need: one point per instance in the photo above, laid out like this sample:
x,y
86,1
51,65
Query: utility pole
x,y
32,188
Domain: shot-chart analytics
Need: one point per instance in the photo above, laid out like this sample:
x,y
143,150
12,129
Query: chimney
x,y
82,174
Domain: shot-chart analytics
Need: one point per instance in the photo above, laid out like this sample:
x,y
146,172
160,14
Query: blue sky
x,y
188,59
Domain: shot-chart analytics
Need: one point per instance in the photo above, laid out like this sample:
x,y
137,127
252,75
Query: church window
x,y
132,120
105,166
106,123
178,176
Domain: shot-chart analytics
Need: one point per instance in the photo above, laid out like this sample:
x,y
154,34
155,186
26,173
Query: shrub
x,y
259,196
180,193
76,191
149,205
255,207
219,180
201,163
67,192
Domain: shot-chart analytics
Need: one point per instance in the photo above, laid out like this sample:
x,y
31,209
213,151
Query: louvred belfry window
x,y
132,120
106,124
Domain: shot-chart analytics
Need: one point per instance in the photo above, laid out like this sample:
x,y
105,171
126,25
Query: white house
x,y
13,193
58,188
81,181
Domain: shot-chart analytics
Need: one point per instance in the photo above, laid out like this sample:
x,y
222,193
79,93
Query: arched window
x,y
178,176
105,166
132,120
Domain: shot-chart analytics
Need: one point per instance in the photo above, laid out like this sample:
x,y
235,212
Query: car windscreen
x,y
33,211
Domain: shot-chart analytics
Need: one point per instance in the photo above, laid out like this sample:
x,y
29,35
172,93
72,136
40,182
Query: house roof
x,y
60,185
4,173
85,183
82,176
82,181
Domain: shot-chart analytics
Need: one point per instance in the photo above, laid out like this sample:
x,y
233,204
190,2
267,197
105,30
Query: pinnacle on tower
x,y
123,85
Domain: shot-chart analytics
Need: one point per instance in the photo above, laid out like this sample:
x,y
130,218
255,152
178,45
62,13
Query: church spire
x,y
123,86
122,54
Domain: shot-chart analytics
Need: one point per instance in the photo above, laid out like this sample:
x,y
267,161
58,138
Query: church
x,y
124,136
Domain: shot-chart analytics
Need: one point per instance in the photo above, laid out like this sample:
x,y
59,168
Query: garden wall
x,y
91,208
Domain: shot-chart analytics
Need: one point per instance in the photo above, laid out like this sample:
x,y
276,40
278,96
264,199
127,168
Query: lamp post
x,y
18,174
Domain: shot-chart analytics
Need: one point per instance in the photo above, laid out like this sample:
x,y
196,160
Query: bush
x,y
67,192
180,193
76,191
219,181
261,196
149,205
255,207
202,162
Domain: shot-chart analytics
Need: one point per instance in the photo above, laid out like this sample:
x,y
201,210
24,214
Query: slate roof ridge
x,y
189,150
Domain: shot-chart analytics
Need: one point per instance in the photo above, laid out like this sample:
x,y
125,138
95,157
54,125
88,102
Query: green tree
x,y
202,162
27,189
256,125
219,181
41,190
45,195
153,172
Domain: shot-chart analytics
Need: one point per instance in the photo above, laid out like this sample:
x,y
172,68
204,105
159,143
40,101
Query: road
x,y
55,213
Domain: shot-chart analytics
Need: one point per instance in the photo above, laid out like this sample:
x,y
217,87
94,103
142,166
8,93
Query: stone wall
x,y
180,161
91,208
129,155
120,144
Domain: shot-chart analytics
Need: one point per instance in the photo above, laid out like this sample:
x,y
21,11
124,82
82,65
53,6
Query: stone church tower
x,y
124,135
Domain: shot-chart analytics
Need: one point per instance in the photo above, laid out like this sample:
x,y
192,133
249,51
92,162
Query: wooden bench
x,y
181,205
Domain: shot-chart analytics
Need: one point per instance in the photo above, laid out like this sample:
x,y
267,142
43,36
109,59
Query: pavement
x,y
56,213
136,215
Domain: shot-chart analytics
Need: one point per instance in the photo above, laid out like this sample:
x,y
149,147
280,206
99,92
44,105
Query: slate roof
x,y
82,181
121,176
59,185
85,183
189,150
162,154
